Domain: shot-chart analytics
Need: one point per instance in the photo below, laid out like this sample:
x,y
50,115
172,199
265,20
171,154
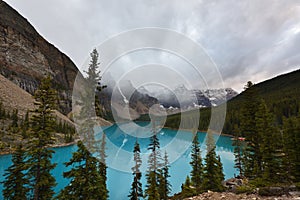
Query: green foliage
x,y
239,146
271,144
86,181
164,184
154,164
14,118
66,129
271,91
88,174
196,163
39,157
248,189
187,190
93,79
291,141
15,178
102,165
213,170
25,126
136,191
252,154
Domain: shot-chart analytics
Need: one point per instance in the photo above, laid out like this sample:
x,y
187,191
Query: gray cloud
x,y
248,40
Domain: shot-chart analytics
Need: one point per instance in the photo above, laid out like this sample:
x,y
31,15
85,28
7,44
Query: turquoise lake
x,y
119,181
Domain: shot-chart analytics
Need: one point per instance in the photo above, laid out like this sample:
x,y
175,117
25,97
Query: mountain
x,y
186,99
125,99
26,57
281,94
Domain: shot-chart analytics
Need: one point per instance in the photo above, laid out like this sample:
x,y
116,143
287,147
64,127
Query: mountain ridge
x,y
26,57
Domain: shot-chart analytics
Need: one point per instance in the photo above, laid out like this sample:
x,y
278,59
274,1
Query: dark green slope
x,y
286,85
282,95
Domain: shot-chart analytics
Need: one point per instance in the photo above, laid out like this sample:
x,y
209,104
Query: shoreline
x,y
3,153
201,131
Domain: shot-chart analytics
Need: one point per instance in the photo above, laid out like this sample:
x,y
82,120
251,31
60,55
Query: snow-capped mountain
x,y
141,99
184,98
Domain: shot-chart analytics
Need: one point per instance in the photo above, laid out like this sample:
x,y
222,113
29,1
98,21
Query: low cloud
x,y
248,40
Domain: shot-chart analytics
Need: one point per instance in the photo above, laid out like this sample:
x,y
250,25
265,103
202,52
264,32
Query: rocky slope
x,y
231,196
13,97
26,57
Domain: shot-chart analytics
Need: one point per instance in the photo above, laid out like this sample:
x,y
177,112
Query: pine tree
x,y
136,191
187,189
196,163
15,119
252,154
16,183
93,79
93,73
39,156
25,126
164,184
154,164
269,144
87,112
220,170
86,181
213,170
102,165
291,140
238,151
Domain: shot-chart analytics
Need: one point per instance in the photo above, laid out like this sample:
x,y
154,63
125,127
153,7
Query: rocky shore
x,y
231,196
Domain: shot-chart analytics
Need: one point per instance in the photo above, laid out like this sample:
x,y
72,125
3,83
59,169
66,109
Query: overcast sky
x,y
247,40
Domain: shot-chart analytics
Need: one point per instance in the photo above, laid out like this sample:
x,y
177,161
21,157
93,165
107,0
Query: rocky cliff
x,y
26,57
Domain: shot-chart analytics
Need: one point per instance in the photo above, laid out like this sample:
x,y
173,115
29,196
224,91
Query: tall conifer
x,y
136,191
16,182
42,123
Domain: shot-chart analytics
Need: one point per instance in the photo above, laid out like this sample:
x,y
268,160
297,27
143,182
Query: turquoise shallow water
x,y
119,181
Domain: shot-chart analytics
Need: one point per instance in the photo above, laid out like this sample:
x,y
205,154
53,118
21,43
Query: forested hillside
x,y
281,94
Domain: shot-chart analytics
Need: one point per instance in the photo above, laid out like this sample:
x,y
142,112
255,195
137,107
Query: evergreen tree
x,y
154,164
291,141
164,184
39,156
86,181
94,171
15,118
270,144
238,151
136,191
25,126
196,163
187,189
93,79
213,170
87,112
102,165
219,172
252,154
16,183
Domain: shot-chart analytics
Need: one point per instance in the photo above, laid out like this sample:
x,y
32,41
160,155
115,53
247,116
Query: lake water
x,y
119,176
